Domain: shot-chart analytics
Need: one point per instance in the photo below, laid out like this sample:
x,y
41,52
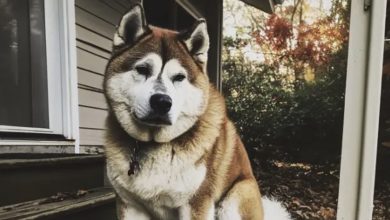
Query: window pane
x,y
23,77
167,14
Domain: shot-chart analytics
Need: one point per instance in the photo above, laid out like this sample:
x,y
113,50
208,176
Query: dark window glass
x,y
23,76
167,14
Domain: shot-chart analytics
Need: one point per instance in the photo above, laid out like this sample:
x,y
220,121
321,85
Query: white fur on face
x,y
187,99
130,92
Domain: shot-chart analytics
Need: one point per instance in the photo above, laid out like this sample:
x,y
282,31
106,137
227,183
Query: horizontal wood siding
x,y
94,39
88,20
93,99
95,27
92,118
91,136
93,49
92,62
100,9
115,5
90,80
124,3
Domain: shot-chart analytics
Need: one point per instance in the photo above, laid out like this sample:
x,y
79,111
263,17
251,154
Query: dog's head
x,y
156,82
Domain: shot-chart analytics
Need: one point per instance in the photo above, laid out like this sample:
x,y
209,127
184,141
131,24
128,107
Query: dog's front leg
x,y
130,210
198,210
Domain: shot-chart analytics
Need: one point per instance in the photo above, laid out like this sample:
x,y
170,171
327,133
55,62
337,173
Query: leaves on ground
x,y
309,191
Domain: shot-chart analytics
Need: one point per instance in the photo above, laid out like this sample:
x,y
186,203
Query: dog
x,y
171,151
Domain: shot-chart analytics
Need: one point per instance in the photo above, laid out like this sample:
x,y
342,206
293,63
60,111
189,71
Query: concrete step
x,y
96,204
25,177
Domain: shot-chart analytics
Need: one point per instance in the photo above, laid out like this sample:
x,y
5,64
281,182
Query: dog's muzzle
x,y
160,103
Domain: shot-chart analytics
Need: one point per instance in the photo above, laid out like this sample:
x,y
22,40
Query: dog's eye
x,y
143,70
178,78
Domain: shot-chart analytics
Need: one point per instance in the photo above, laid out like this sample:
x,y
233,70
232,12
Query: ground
x,y
309,190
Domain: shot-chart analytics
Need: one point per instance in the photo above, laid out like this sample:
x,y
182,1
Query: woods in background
x,y
284,81
284,74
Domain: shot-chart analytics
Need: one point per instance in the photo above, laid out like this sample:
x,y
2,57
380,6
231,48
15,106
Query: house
x,y
53,55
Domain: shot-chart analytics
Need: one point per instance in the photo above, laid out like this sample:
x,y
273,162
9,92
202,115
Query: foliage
x,y
300,43
298,39
266,62
268,112
256,102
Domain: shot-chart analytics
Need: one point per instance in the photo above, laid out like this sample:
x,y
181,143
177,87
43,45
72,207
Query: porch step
x,y
28,177
97,204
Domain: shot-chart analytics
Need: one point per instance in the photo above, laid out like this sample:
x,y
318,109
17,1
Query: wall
x,y
95,26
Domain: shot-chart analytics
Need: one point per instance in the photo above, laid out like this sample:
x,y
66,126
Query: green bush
x,y
268,110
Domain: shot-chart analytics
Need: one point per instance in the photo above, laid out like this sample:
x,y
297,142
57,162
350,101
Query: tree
x,y
284,74
298,38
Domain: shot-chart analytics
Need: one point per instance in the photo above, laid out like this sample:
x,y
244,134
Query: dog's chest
x,y
163,180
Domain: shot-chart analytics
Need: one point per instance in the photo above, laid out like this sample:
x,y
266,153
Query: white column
x,y
361,114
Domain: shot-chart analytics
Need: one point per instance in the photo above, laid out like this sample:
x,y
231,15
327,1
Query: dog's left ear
x,y
197,41
131,27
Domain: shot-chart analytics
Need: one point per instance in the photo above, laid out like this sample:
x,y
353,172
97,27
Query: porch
x,y
51,159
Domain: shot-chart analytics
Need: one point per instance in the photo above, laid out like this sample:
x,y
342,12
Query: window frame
x,y
61,72
190,8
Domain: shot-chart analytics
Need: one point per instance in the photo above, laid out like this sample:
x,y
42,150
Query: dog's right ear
x,y
131,27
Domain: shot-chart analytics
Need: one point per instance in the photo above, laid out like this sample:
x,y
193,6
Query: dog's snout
x,y
161,103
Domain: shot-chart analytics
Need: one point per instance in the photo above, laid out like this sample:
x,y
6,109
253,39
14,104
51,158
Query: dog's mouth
x,y
154,120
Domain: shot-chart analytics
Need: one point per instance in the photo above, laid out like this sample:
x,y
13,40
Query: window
x,y
23,82
168,14
38,80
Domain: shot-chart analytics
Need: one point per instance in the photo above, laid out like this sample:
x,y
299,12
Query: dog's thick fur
x,y
195,165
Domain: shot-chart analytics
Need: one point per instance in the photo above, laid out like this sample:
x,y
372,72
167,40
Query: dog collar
x,y
134,166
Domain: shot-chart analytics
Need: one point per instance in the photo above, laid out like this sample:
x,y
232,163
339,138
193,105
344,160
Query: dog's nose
x,y
161,103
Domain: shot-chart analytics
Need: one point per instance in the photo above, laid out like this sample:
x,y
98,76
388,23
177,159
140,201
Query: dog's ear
x,y
197,41
131,27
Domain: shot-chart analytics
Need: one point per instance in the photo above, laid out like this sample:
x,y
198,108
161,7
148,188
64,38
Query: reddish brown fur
x,y
229,174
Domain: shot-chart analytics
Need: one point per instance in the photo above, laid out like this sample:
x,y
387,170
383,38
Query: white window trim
x,y
70,102
61,72
362,105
